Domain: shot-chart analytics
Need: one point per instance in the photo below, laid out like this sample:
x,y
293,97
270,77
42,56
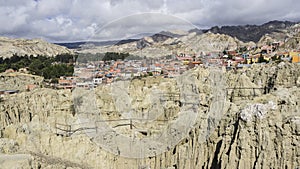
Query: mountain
x,y
253,33
121,42
245,33
157,37
163,35
174,33
76,45
71,45
34,47
159,45
215,39
293,42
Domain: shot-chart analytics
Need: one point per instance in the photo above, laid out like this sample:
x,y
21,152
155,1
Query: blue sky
x,y
75,20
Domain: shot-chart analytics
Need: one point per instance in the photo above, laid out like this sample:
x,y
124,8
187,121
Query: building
x,y
97,81
66,83
295,57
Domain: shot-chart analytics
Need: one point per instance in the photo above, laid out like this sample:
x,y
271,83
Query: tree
x,y
36,66
150,74
3,67
115,56
261,59
40,65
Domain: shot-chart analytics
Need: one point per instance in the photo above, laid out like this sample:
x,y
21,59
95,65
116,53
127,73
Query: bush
x,y
41,65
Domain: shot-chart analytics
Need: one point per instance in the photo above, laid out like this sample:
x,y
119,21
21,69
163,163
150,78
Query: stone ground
x,y
246,119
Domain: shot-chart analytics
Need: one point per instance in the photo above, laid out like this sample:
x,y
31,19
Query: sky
x,y
81,20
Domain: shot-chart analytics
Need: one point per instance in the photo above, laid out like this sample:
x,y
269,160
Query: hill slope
x,y
253,33
35,47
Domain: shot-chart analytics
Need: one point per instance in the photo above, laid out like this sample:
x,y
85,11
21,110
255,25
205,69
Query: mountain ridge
x,y
21,47
245,33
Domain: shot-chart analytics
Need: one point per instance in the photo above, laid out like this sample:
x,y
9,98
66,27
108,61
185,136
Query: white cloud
x,y
71,20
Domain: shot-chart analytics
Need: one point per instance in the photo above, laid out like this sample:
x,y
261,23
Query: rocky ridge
x,y
259,126
21,47
18,81
216,39
164,45
247,33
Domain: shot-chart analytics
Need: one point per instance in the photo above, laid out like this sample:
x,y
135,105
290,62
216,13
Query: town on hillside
x,y
64,72
91,74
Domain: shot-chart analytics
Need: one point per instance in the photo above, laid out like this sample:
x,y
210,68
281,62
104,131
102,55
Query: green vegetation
x,y
54,67
242,49
261,59
134,57
48,67
150,74
89,57
108,56
115,56
276,59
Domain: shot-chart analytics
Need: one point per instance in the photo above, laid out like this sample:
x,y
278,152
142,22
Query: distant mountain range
x,y
253,33
245,33
195,41
165,43
76,45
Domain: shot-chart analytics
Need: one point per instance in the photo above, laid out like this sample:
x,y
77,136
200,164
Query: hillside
x,y
162,45
247,33
34,47
215,39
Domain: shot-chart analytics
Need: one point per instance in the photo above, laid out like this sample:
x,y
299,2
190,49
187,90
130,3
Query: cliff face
x,y
21,47
248,118
18,81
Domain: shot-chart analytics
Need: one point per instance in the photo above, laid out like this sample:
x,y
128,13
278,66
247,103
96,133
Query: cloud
x,y
139,24
74,20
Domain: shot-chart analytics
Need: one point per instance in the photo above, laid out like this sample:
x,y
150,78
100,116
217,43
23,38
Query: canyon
x,y
244,118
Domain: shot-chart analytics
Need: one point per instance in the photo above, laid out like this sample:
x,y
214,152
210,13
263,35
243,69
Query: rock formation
x,y
247,33
258,126
21,47
189,44
19,81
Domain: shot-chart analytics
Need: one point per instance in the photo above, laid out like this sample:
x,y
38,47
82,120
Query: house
x,y
245,55
97,81
275,45
295,57
84,85
197,63
253,59
229,63
170,71
156,71
107,80
239,59
185,59
31,87
266,49
66,83
232,53
9,71
126,75
23,70
239,66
